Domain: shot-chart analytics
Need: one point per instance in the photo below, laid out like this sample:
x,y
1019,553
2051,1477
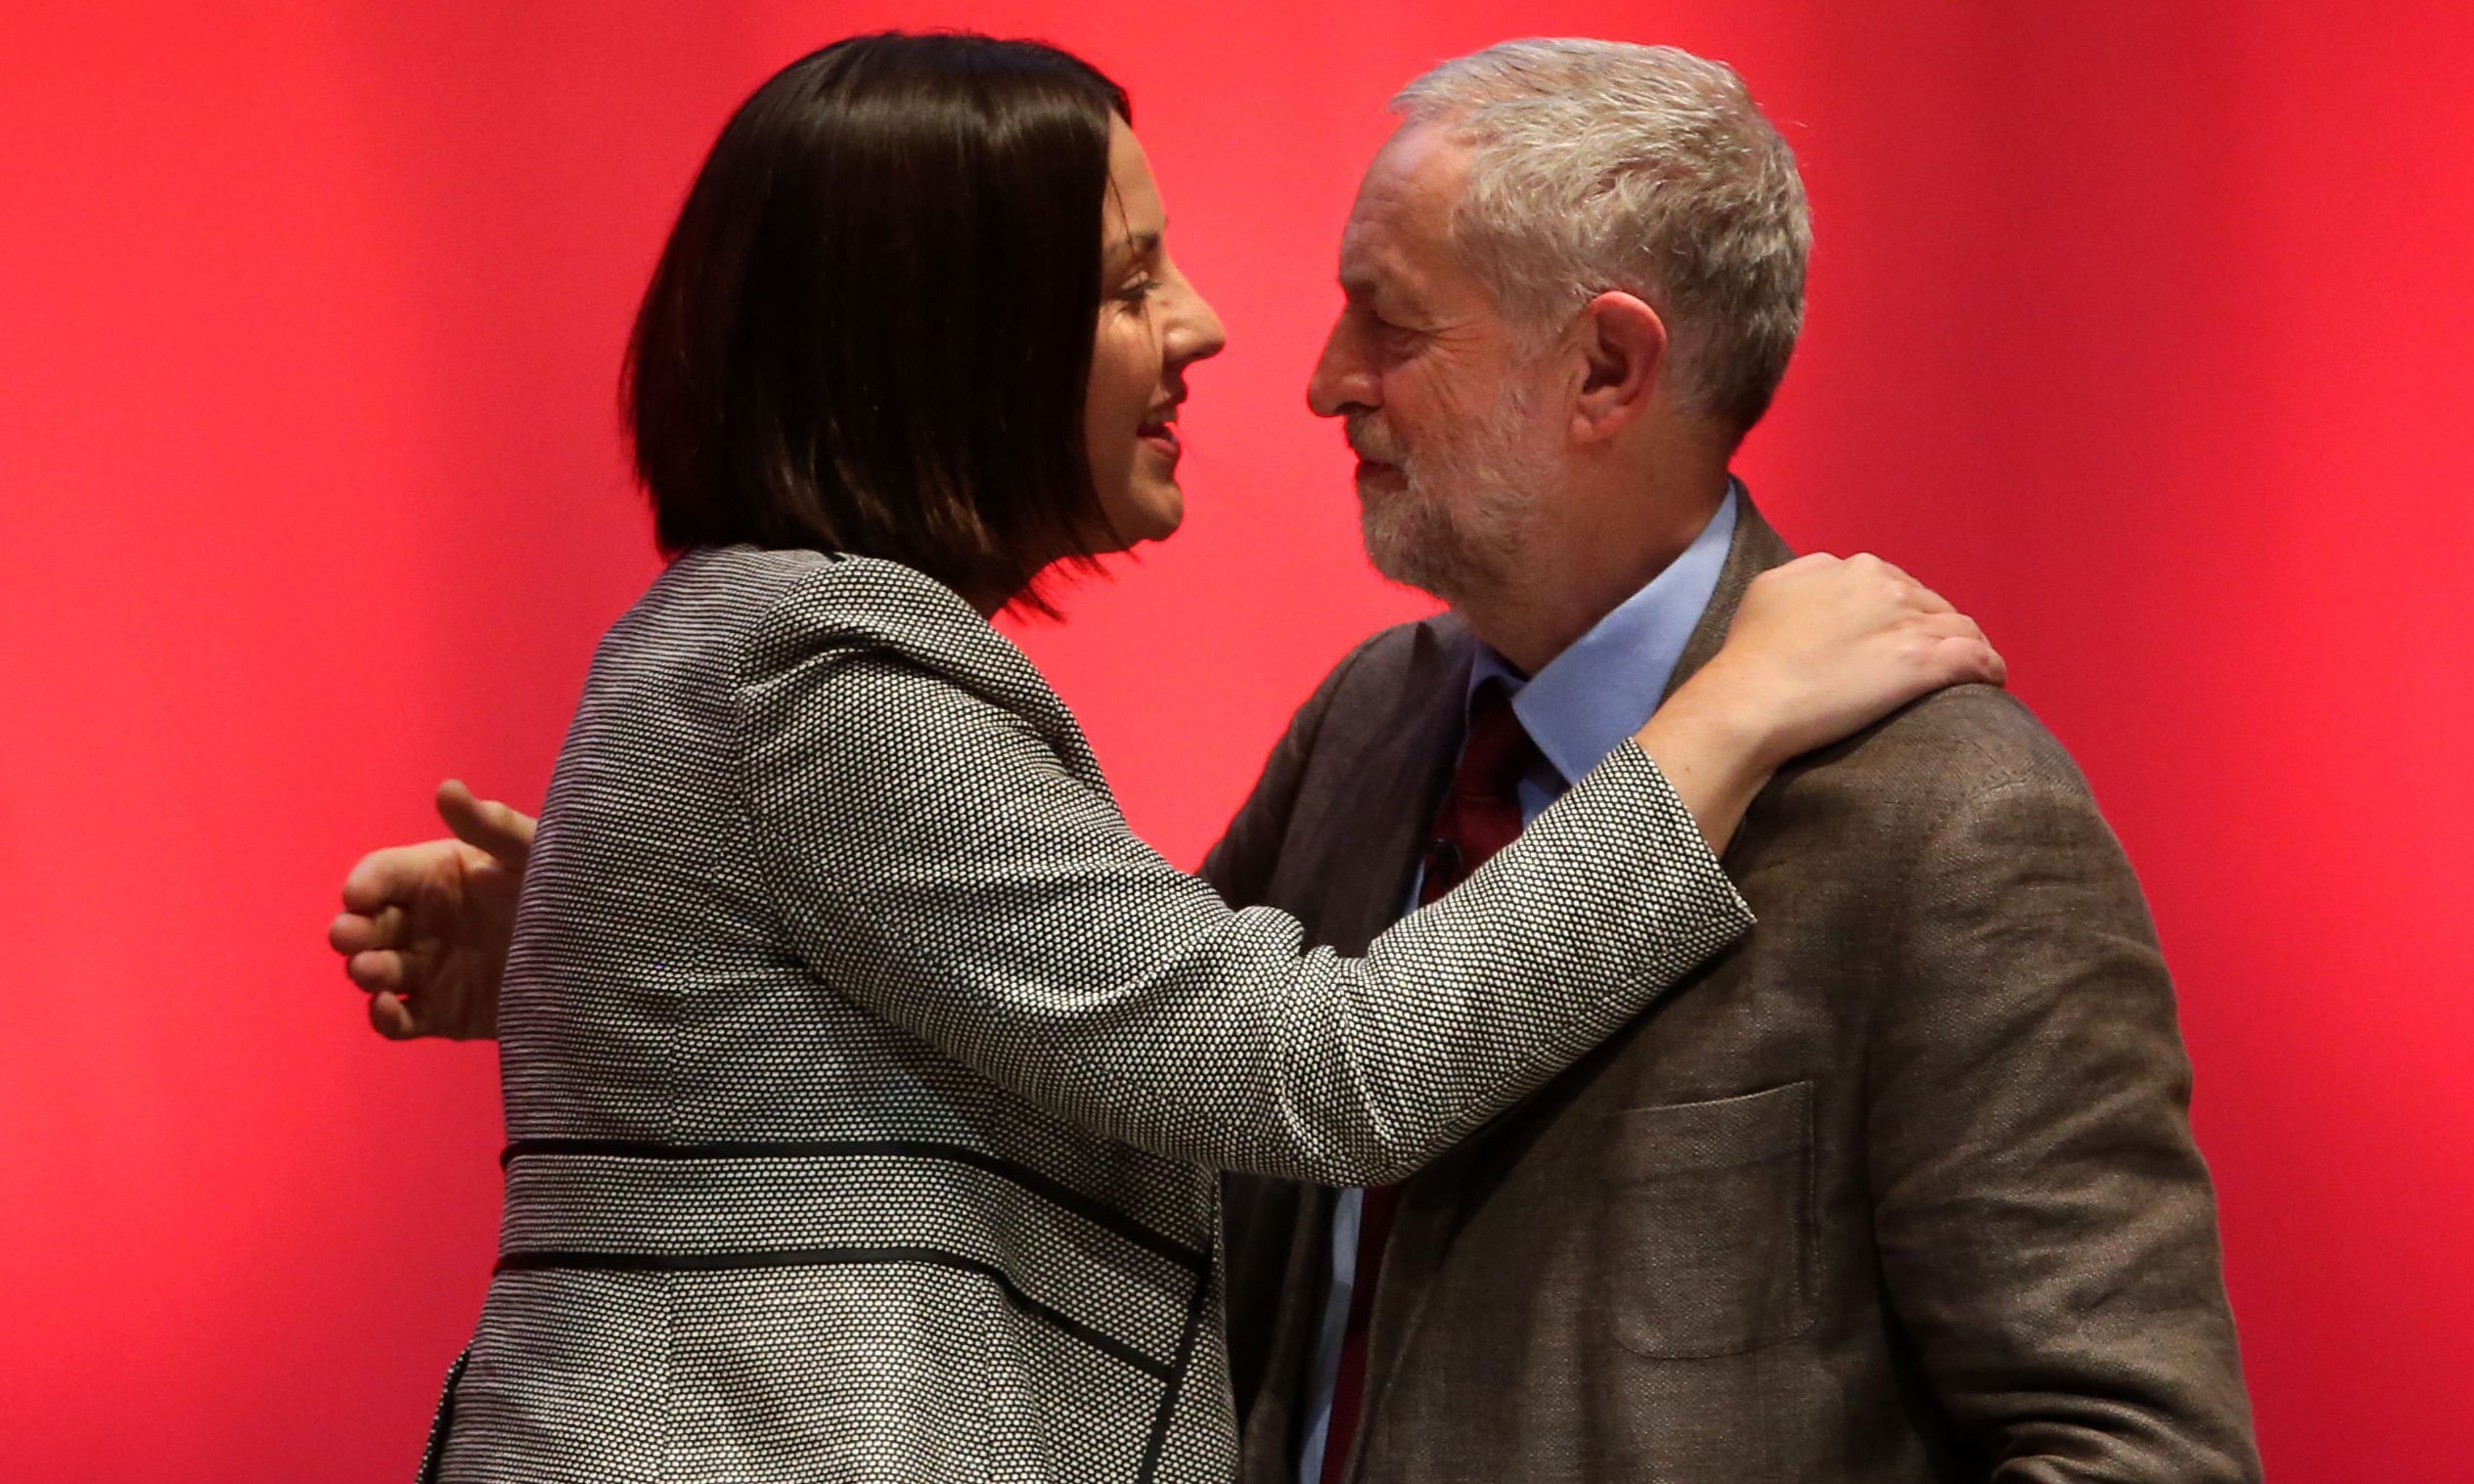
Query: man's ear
x,y
1624,352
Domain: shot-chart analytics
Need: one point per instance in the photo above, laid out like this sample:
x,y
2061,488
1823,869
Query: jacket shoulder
x,y
1950,748
1397,662
818,614
773,605
774,628
812,601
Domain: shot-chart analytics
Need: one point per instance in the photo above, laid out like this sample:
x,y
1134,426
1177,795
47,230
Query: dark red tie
x,y
1479,817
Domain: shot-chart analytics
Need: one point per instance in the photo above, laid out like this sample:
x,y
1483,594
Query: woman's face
x,y
1153,324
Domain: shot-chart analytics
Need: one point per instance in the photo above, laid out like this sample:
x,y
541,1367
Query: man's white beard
x,y
1461,524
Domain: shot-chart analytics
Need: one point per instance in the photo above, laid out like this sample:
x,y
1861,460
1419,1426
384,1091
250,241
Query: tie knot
x,y
1498,750
1482,813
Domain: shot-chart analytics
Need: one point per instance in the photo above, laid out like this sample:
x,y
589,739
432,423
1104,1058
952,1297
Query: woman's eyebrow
x,y
1140,245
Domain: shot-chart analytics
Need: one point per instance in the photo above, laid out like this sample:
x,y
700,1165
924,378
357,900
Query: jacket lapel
x,y
1365,849
1375,814
1380,768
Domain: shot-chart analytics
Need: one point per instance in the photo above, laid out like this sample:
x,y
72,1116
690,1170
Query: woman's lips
x,y
1162,436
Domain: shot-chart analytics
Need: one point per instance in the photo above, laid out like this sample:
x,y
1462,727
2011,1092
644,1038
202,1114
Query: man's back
x,y
1901,1189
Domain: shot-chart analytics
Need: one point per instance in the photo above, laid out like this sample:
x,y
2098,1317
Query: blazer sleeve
x,y
934,859
2045,1226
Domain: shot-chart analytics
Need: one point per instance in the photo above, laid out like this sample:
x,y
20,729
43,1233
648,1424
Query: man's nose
x,y
1342,381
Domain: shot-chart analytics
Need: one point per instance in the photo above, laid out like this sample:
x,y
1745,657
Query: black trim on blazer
x,y
533,1260
1046,1188
1176,1381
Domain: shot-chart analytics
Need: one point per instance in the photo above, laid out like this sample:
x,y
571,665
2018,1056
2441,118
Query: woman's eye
x,y
1137,292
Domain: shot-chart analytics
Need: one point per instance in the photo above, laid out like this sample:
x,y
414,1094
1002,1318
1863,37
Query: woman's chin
x,y
1148,516
1163,510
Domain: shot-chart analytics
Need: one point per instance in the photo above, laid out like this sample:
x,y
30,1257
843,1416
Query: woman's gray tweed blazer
x,y
866,1077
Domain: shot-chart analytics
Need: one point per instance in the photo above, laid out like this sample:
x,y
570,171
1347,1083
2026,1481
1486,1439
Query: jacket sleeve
x,y
935,860
2045,1227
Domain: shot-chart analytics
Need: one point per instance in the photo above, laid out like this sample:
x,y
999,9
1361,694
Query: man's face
x,y
1449,422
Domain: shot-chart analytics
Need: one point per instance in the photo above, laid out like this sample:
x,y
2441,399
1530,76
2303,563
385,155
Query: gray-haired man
x,y
1904,1188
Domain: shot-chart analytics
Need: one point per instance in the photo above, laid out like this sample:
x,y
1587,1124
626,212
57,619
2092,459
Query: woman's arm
x,y
934,859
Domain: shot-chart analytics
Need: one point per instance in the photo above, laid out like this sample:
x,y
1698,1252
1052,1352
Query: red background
x,y
2138,328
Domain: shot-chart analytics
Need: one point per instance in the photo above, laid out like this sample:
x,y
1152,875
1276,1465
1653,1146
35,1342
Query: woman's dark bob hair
x,y
871,329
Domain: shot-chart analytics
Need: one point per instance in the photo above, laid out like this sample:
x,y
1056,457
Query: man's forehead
x,y
1417,172
1398,234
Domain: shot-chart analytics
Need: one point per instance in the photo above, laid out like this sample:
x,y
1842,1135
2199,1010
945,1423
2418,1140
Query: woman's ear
x,y
1624,352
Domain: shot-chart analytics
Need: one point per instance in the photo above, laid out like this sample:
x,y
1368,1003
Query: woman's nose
x,y
1197,334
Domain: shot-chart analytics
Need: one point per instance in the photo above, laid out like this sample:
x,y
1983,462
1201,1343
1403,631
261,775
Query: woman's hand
x,y
1819,650
1822,648
426,928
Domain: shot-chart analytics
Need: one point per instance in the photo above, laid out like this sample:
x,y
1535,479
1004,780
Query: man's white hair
x,y
1600,166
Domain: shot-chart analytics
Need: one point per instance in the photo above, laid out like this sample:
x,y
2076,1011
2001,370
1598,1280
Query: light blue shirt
x,y
1577,709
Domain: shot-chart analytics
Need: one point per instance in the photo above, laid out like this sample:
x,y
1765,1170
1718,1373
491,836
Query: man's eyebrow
x,y
1363,287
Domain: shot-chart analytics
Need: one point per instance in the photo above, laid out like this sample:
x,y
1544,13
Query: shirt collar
x,y
1600,690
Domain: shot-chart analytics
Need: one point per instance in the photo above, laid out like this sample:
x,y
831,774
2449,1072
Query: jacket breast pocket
x,y
1708,1237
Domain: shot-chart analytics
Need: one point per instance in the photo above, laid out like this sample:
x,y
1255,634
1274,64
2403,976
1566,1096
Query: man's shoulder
x,y
1962,807
1951,747
1397,663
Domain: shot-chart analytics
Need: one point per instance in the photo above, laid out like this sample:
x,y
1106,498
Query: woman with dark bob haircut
x,y
866,1079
